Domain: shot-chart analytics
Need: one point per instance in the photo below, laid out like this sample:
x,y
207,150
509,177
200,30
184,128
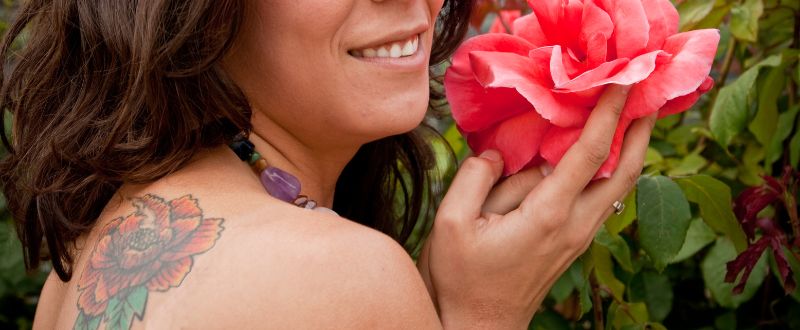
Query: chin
x,y
396,116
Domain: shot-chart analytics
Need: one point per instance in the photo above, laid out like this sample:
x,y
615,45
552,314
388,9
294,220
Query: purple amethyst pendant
x,y
280,184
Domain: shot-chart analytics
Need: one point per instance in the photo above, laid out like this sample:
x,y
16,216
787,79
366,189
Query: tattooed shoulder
x,y
151,249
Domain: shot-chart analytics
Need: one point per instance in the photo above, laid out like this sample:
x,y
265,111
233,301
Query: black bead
x,y
243,149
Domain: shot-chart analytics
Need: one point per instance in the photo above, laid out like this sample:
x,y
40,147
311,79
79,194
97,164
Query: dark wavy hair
x,y
106,92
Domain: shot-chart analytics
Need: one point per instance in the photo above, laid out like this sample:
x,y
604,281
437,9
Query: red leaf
x,y
754,199
745,262
773,237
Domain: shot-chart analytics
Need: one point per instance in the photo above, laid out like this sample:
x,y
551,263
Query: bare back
x,y
207,248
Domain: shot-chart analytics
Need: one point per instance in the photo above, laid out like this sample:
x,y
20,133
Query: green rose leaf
x,y
744,19
692,12
784,128
729,113
631,316
664,218
617,246
549,320
654,290
794,149
713,269
714,199
604,271
765,122
697,237
562,288
690,164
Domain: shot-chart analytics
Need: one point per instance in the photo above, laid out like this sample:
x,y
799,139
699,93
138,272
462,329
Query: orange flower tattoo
x,y
149,250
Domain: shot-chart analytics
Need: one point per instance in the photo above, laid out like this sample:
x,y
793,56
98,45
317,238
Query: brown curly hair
x,y
106,92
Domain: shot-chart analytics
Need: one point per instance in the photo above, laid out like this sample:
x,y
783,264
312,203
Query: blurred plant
x,y
19,291
683,254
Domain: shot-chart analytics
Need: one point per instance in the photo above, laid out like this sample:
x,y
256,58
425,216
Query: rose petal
x,y
631,28
558,71
610,165
473,106
531,77
593,78
517,139
495,42
560,20
595,23
556,143
683,103
663,19
547,11
597,51
558,140
692,55
619,71
527,27
507,17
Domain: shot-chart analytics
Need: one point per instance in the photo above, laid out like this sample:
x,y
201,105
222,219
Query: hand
x,y
495,251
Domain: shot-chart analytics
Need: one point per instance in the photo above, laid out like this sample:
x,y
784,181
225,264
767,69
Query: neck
x,y
317,166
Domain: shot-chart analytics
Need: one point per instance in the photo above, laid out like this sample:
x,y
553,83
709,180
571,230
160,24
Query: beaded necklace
x,y
278,183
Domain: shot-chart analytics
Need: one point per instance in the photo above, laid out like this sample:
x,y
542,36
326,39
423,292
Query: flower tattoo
x,y
149,250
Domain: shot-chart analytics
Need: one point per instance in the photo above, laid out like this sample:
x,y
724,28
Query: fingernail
x,y
546,169
492,155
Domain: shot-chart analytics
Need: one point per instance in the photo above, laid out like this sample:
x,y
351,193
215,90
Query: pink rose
x,y
528,94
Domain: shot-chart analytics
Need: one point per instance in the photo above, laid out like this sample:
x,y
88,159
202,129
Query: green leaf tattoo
x,y
152,249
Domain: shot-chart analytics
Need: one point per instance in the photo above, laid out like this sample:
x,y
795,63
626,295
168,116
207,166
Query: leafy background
x,y
663,263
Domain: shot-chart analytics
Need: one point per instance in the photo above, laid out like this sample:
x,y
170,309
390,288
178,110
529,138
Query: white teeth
x,y
393,50
408,48
396,51
383,52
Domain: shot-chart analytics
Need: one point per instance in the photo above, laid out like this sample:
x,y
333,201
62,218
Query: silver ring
x,y
618,207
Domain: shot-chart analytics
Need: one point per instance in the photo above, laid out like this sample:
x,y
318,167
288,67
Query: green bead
x,y
254,158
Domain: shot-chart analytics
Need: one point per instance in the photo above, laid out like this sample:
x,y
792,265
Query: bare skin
x,y
494,252
316,270
273,266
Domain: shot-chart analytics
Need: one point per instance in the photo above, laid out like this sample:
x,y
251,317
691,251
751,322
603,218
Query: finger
x,y
507,195
600,196
584,158
470,187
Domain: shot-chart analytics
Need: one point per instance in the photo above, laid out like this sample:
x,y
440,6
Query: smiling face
x,y
336,71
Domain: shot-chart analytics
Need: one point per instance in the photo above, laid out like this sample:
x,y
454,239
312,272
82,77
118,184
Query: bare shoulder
x,y
315,269
222,257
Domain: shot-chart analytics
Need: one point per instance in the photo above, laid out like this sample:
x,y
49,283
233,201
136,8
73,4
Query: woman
x,y
131,122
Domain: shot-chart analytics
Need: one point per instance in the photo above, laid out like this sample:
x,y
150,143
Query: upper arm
x,y
388,285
